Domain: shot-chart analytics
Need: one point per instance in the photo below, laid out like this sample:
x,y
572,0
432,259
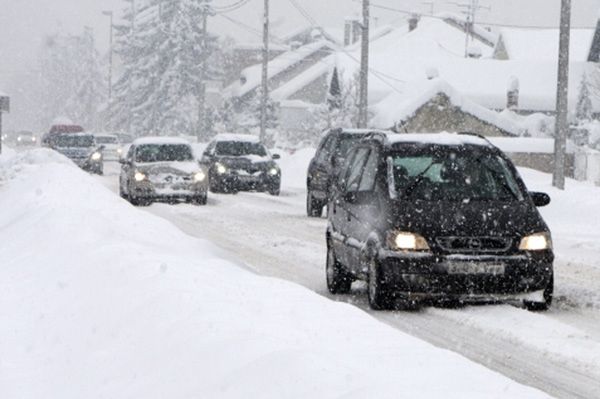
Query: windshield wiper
x,y
501,177
418,179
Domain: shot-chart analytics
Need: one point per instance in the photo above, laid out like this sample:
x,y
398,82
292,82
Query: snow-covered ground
x,y
100,299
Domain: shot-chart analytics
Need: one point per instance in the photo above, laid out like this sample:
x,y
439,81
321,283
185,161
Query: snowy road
x,y
557,352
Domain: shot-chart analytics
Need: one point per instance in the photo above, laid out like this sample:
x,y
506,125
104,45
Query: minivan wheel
x,y
379,298
542,306
338,280
199,200
313,208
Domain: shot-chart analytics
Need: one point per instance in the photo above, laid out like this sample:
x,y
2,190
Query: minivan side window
x,y
325,150
367,182
130,153
356,169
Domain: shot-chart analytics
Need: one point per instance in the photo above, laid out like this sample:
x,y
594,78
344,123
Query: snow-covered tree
x,y
72,81
584,109
162,53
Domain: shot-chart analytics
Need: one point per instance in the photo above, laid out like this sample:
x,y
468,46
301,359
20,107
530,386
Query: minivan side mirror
x,y
276,156
124,161
357,197
540,199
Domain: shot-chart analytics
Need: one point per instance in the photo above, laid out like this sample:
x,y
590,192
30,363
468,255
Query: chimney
x,y
512,93
413,22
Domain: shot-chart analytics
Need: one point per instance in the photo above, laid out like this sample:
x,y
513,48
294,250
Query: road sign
x,y
4,103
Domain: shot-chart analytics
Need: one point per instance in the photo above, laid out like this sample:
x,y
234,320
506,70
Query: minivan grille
x,y
474,244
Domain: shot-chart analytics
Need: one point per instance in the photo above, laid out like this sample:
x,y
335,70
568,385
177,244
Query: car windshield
x,y
163,153
106,140
450,175
240,148
71,141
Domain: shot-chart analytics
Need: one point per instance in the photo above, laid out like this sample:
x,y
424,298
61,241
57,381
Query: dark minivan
x,y
329,157
437,217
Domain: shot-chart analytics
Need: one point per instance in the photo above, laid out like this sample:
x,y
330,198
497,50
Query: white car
x,y
112,146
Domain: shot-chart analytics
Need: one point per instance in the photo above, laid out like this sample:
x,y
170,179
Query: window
x,y
453,176
163,153
326,149
367,182
240,148
356,168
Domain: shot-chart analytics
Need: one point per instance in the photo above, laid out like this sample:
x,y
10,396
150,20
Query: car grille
x,y
474,244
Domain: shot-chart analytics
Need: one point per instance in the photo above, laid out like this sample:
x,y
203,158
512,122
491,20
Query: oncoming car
x,y
80,148
112,146
162,169
239,162
437,217
26,139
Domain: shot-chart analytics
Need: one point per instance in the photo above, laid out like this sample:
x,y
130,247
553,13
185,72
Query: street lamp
x,y
110,54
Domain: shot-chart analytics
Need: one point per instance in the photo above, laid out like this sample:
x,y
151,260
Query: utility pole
x,y
562,96
265,74
363,101
4,106
470,11
431,5
201,134
110,54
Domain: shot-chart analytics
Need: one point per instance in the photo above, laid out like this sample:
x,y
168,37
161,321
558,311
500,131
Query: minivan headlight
x,y
536,242
405,241
273,171
139,176
221,169
96,156
199,176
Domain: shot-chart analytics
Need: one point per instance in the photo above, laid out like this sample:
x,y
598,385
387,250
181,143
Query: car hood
x,y
172,168
247,162
477,218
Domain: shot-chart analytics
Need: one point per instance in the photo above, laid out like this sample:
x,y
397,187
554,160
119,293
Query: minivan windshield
x,y
73,141
163,153
452,176
240,148
107,140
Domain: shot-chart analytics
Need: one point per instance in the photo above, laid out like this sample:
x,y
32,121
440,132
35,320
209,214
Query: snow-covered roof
x,y
252,75
542,44
398,107
260,45
247,138
444,138
160,140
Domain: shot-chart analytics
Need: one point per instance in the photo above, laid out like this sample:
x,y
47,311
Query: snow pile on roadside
x,y
294,168
100,299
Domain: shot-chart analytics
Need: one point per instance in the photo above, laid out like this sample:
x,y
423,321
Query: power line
x,y
494,24
231,7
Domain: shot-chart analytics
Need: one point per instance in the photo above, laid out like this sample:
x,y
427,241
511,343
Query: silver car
x,y
112,147
162,169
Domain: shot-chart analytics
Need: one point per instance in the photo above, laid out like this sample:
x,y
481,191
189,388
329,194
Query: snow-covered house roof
x,y
251,76
398,108
541,44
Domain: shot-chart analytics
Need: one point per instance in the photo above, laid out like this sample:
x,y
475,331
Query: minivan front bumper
x,y
426,275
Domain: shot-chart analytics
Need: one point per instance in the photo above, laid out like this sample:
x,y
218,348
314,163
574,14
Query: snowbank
x,y
100,299
294,168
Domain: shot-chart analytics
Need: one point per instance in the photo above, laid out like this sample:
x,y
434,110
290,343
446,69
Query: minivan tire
x,y
378,294
338,280
314,209
542,306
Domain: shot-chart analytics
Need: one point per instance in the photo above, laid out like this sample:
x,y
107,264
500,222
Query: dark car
x,y
437,217
82,149
162,169
325,165
240,162
56,130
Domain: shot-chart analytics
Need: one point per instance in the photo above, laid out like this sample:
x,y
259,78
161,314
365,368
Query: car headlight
x,y
536,242
139,176
221,169
19,138
119,151
273,171
199,176
96,156
405,241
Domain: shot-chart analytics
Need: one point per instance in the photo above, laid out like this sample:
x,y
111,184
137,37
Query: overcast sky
x,y
23,23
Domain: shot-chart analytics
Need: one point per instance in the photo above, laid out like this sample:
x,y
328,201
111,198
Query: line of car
x,y
425,218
